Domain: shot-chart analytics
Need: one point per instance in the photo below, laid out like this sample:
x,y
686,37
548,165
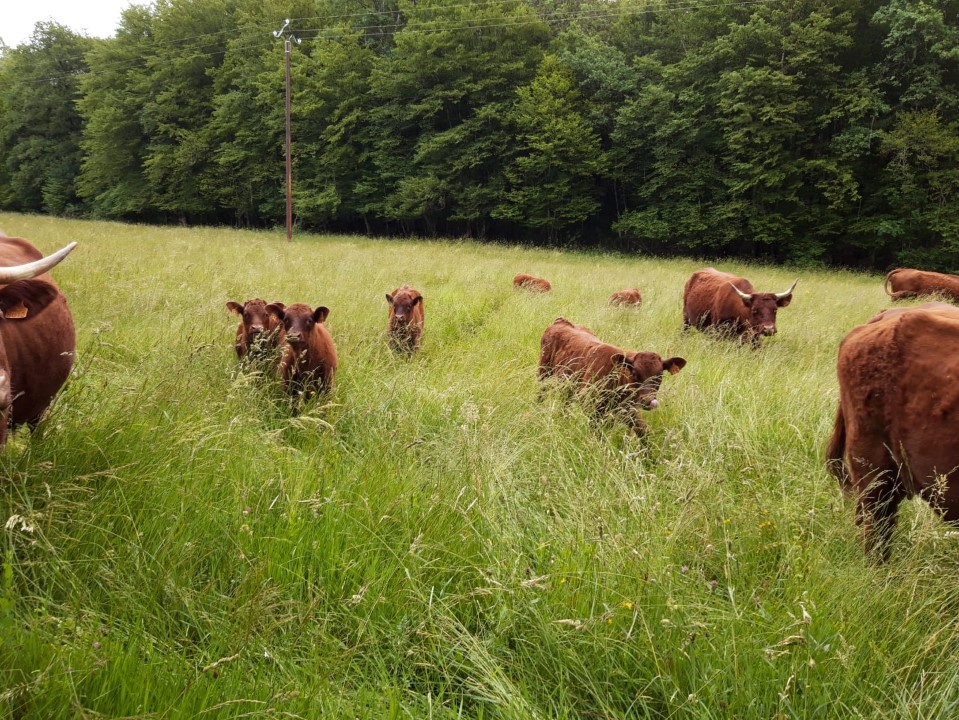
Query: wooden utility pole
x,y
287,48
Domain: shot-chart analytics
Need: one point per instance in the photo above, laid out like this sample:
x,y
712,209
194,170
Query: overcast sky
x,y
98,18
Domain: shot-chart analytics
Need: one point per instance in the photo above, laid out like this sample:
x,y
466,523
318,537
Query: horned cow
x,y
308,361
37,336
720,300
624,380
895,433
406,318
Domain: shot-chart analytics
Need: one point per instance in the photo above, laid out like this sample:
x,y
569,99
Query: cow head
x,y
762,307
402,302
22,297
298,320
254,316
643,372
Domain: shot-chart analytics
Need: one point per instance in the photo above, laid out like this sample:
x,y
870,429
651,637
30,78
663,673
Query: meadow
x,y
432,540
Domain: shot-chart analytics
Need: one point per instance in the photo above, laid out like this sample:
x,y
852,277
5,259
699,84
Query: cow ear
x,y
389,298
280,305
276,309
234,307
784,301
321,313
674,365
417,299
620,359
23,299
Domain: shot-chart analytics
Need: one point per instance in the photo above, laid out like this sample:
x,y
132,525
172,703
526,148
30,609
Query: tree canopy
x,y
814,131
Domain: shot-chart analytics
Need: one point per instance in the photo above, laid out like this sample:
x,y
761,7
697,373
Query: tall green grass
x,y
432,540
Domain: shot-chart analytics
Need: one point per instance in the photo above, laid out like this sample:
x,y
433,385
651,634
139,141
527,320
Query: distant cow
x,y
308,361
405,325
909,283
258,332
716,299
531,282
37,337
896,433
624,380
630,297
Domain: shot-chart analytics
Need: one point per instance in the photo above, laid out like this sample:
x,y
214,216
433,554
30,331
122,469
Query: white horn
x,y
744,296
780,296
32,269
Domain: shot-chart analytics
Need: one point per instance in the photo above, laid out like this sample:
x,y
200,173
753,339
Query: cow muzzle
x,y
768,330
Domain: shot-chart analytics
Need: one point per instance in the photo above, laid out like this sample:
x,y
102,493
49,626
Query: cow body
x,y
405,325
630,297
624,380
308,360
714,299
908,283
896,433
37,336
531,282
259,331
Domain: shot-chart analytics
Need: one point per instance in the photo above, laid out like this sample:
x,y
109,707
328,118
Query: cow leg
x,y
876,513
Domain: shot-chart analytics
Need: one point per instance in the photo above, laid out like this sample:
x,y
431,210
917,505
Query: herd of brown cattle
x,y
896,433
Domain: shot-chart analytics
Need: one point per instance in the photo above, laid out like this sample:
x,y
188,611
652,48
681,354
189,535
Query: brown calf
x,y
895,435
405,325
37,337
626,380
531,282
258,333
716,299
308,361
908,283
630,297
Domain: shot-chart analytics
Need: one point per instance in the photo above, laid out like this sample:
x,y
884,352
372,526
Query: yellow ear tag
x,y
17,312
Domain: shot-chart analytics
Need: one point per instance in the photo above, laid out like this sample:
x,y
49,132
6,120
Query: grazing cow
x,y
909,283
405,326
716,299
308,362
258,332
630,297
37,337
531,282
625,380
896,433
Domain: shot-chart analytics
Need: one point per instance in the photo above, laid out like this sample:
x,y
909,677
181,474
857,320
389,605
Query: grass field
x,y
432,541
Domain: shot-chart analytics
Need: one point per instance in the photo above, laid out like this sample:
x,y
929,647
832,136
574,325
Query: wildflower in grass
x,y
684,569
626,604
766,524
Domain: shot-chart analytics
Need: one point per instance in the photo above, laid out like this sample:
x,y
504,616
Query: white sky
x,y
98,18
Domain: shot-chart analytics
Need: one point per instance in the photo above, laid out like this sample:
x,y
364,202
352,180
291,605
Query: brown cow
x,y
531,282
308,361
909,283
896,433
626,380
37,337
631,297
258,333
405,326
716,299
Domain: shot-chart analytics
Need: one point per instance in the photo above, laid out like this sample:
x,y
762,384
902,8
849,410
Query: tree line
x,y
807,131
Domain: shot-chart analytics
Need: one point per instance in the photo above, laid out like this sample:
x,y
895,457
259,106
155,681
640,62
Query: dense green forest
x,y
809,131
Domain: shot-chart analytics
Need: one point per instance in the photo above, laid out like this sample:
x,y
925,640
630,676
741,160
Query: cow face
x,y
298,321
254,315
762,307
645,374
401,306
